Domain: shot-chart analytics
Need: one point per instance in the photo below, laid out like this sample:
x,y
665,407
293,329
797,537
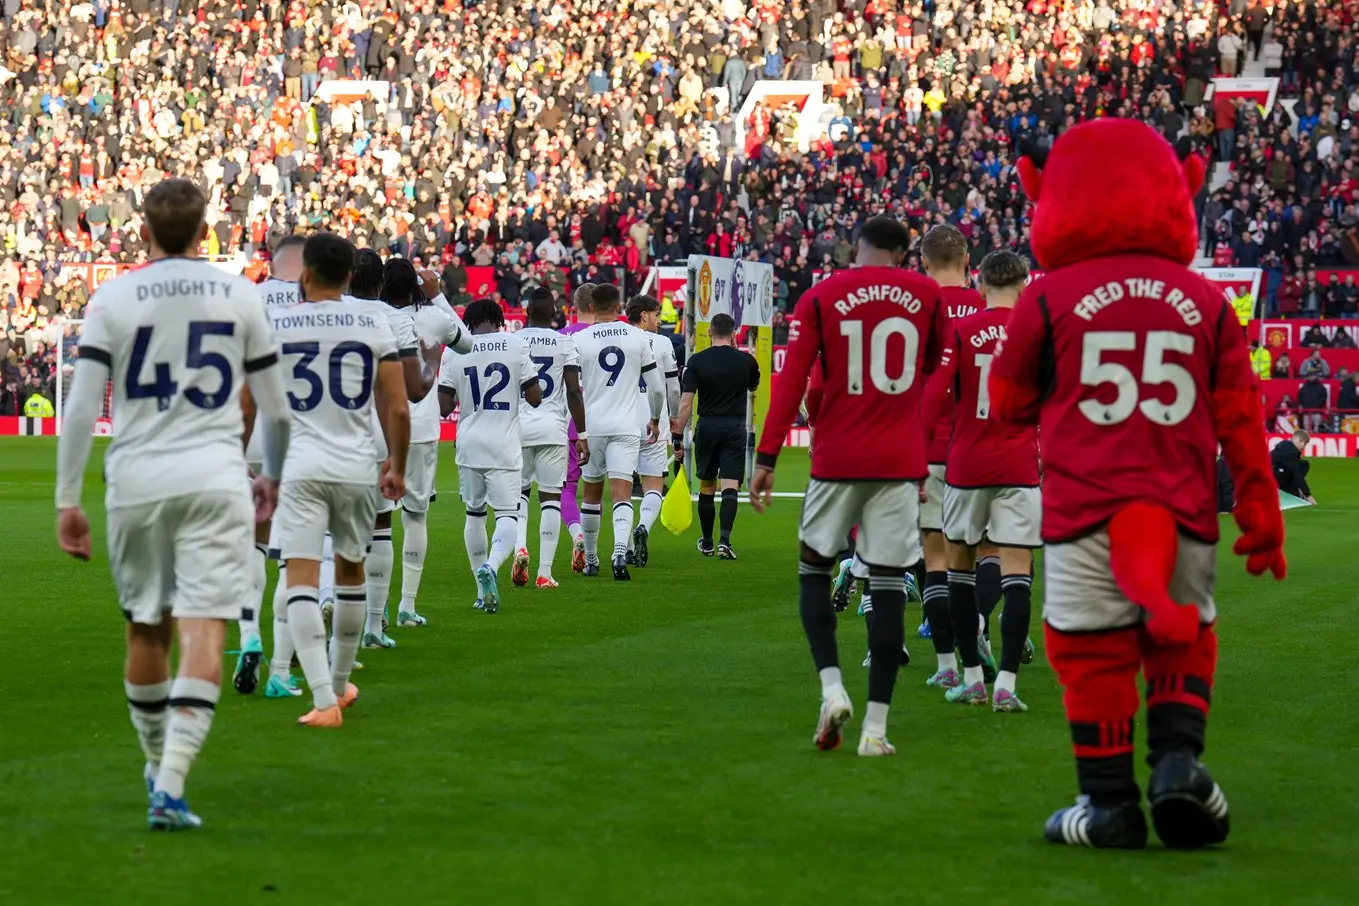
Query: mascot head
x,y
1111,187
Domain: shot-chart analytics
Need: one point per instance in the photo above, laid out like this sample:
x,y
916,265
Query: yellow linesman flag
x,y
677,510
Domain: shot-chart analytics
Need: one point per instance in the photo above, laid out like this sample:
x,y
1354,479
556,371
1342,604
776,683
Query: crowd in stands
x,y
565,140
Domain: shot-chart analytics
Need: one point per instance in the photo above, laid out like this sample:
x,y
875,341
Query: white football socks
x,y
502,540
622,527
414,547
250,619
831,680
474,538
281,663
326,587
192,703
309,637
521,538
875,720
589,524
973,675
149,707
651,508
379,571
549,528
948,661
1005,680
347,627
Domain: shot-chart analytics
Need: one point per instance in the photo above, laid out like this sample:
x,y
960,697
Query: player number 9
x,y
1155,370
611,359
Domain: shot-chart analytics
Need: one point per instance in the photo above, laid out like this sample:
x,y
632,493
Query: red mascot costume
x,y
1135,369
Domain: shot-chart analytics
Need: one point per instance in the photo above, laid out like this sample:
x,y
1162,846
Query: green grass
x,y
647,744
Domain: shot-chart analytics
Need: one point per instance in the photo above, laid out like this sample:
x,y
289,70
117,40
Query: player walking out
x,y
583,300
615,358
436,325
991,489
878,330
644,313
723,377
340,351
945,253
486,384
177,338
285,269
543,434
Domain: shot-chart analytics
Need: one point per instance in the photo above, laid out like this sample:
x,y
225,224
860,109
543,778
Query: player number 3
x,y
1095,372
877,355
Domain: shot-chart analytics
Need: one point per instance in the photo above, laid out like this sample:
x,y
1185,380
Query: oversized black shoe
x,y
620,569
705,547
1082,824
1188,808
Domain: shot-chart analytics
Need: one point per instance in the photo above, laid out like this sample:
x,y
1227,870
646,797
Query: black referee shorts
x,y
720,449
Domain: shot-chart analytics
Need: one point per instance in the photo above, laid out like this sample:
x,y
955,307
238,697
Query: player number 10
x,y
1155,370
877,355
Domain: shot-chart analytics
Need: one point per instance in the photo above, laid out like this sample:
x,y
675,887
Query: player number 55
x,y
853,331
1095,372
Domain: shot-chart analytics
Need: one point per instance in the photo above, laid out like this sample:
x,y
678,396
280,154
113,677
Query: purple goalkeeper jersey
x,y
568,330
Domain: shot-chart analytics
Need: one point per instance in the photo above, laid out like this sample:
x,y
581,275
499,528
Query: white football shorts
x,y
498,488
886,512
1079,593
932,510
545,466
422,462
308,509
185,556
1009,517
612,455
653,459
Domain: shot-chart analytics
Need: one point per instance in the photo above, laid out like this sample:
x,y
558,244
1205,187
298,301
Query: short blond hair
x,y
584,297
944,246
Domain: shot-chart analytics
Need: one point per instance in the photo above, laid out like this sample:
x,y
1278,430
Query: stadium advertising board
x,y
1261,92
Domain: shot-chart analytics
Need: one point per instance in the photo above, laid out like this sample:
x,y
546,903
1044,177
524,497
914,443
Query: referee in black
x,y
722,376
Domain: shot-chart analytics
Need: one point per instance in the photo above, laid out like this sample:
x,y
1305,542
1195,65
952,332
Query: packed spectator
x,y
568,140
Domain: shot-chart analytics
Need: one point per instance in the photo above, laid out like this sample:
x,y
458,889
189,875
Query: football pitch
x,y
649,743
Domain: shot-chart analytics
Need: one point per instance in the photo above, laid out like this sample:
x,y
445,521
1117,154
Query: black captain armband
x,y
95,354
263,362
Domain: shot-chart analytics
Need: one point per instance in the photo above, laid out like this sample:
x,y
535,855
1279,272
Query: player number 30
x,y
1095,372
853,331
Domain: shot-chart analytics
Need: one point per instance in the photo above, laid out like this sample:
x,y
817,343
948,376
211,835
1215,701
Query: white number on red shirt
x,y
877,355
1155,370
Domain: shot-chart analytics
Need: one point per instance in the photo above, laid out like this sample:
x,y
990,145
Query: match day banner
x,y
1260,92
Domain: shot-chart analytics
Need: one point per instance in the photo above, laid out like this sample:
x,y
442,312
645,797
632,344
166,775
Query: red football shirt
x,y
878,332
983,452
959,302
1121,356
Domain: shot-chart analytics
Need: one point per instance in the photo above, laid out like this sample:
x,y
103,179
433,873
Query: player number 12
x,y
877,355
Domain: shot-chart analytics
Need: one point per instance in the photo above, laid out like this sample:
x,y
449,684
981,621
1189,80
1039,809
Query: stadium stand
x,y
554,141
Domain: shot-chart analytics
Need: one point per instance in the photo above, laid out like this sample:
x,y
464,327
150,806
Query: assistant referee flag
x,y
677,510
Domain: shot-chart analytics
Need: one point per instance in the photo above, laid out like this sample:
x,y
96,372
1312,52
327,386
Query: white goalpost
x,y
68,350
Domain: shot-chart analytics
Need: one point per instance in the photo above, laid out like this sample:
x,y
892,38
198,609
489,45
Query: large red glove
x,y
1143,545
1240,430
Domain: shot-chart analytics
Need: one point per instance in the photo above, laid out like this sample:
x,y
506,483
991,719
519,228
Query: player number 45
x,y
853,331
1095,372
